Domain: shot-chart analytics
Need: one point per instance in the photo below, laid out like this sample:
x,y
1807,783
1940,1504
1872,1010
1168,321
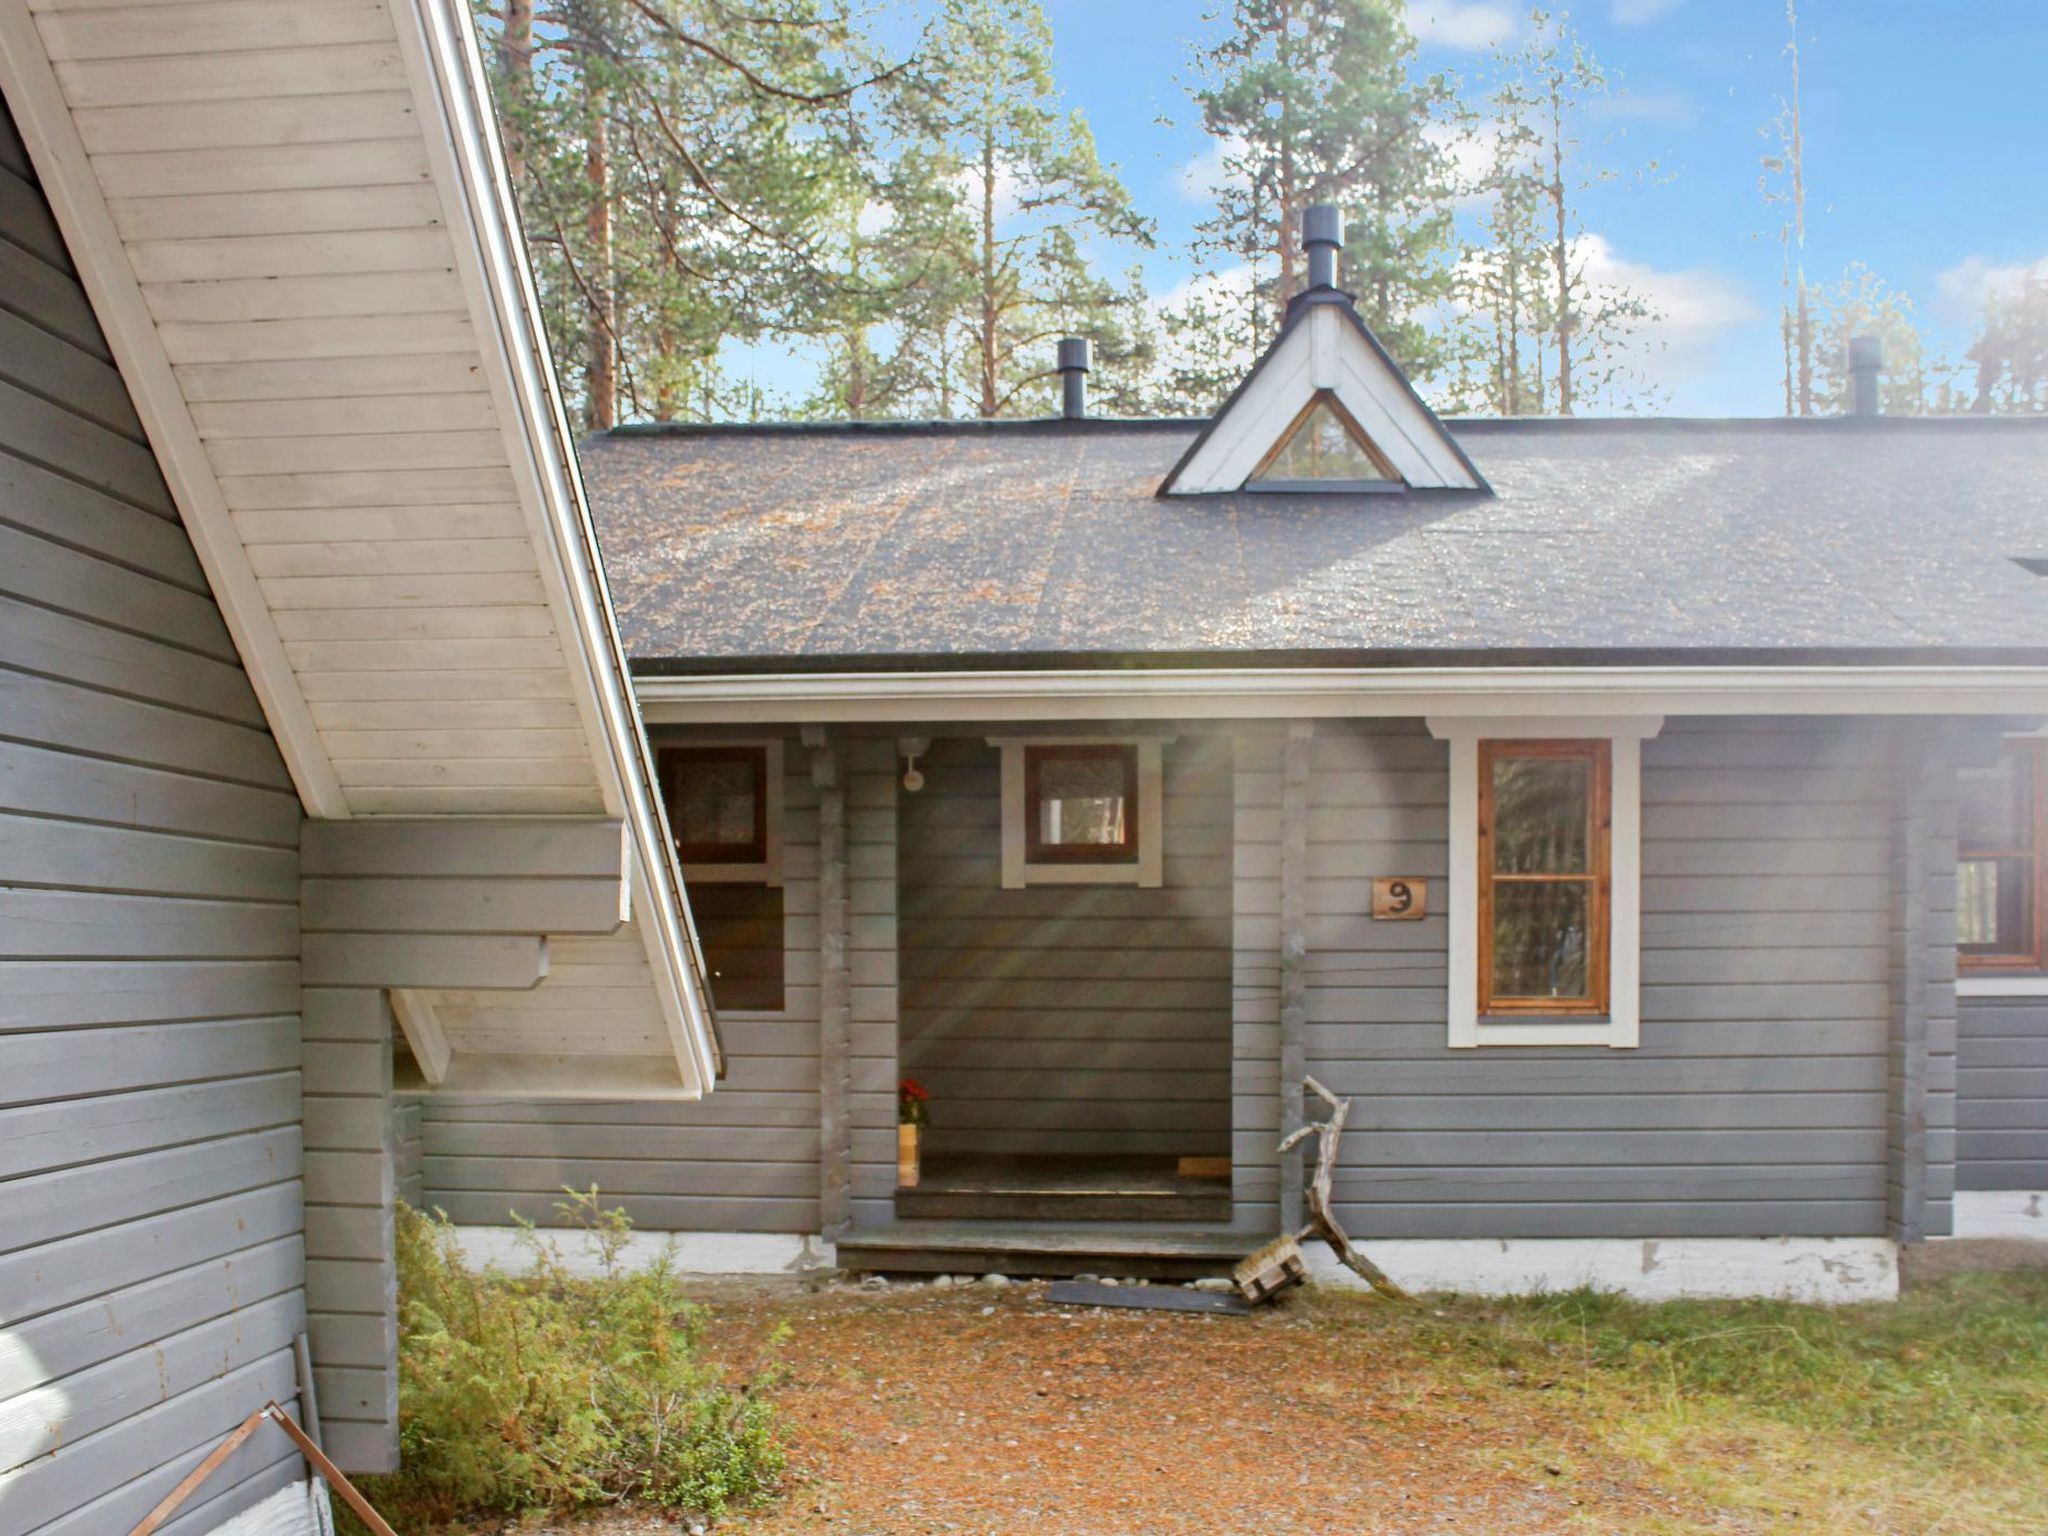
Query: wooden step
x,y
1045,1249
1062,1205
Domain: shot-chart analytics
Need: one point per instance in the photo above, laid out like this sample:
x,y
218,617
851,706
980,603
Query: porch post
x,y
1920,1120
1294,778
835,991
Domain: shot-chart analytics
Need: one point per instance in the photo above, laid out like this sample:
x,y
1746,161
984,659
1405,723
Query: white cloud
x,y
873,218
1696,309
1637,13
1470,26
1962,291
1696,306
1203,177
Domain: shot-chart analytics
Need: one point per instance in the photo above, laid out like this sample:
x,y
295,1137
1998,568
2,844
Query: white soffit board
x,y
255,199
292,218
1324,349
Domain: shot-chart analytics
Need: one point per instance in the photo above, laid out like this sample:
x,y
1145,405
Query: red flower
x,y
913,1102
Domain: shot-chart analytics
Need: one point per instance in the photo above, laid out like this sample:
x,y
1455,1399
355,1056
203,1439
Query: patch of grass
x,y
1929,1414
553,1390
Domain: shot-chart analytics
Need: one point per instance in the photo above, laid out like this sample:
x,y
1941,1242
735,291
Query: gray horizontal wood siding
x,y
2002,1093
151,1249
1070,1020
1757,1102
744,1159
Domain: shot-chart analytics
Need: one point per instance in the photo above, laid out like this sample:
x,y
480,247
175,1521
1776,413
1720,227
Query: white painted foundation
x,y
695,1253
2002,1213
1830,1270
1816,1269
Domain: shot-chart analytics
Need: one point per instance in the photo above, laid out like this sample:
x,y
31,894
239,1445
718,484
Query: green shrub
x,y
547,1390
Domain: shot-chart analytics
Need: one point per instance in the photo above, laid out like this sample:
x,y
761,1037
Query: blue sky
x,y
1926,156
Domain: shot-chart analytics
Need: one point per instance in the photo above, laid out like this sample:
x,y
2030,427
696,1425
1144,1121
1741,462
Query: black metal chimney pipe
x,y
1322,236
1866,363
1073,367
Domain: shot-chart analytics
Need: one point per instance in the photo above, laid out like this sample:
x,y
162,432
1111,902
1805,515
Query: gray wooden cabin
x,y
313,727
1319,616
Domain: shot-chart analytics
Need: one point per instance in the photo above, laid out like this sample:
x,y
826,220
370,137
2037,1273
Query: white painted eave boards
x,y
293,221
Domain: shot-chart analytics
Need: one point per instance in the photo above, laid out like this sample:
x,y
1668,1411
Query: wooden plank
x,y
423,960
47,433
297,378
346,416
348,70
49,297
71,649
589,848
412,557
489,588
317,338
212,27
50,1206
93,522
386,525
58,783
283,119
259,168
122,859
375,488
80,382
235,300
444,905
1150,1298
81,1063
41,1279
455,658
835,1013
57,923
353,249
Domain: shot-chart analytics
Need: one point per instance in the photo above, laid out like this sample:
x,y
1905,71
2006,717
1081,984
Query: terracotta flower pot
x,y
906,1156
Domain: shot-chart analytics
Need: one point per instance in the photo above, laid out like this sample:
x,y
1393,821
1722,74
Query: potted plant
x,y
913,1114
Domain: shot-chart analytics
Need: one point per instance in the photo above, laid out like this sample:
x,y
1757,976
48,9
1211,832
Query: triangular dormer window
x,y
1323,450
1325,410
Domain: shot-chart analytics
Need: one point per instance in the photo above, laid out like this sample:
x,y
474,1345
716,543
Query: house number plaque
x,y
1398,898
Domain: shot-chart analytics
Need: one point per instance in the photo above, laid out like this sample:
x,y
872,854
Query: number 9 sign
x,y
1398,898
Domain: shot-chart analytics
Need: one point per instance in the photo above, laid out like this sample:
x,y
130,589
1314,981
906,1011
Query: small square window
x,y
1082,812
724,802
1081,804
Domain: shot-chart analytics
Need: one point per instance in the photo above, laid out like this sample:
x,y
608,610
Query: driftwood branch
x,y
1322,1221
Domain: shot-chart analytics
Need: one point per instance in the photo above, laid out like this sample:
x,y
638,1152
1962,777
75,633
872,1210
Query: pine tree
x,y
1029,189
1863,304
1318,101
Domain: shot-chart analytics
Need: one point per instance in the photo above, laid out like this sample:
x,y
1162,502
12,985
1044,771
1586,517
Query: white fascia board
x,y
438,40
1253,693
73,189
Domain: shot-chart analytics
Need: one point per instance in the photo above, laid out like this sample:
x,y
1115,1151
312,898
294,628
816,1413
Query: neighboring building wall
x,y
744,1159
151,1262
1756,1103
1069,1020
2002,1094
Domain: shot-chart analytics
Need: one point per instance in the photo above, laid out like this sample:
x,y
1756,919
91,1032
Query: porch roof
x,y
875,544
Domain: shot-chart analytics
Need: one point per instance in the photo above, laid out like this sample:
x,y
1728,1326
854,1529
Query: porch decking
x,y
1063,1189
1157,1252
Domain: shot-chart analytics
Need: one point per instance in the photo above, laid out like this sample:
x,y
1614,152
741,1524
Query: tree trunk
x,y
988,276
604,357
515,55
1561,253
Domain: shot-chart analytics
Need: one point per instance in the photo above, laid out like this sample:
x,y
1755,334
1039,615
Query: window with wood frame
x,y
724,804
717,803
1323,449
1545,877
2000,888
1081,803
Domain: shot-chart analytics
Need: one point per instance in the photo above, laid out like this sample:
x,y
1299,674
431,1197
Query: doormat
x,y
1151,1298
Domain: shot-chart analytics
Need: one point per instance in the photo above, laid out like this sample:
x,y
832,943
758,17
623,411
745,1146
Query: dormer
x,y
1326,411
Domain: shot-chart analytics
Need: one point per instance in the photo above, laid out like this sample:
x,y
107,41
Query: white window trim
x,y
1622,1027
1146,872
769,870
1980,984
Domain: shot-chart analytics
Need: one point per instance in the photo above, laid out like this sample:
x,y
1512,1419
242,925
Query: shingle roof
x,y
1044,541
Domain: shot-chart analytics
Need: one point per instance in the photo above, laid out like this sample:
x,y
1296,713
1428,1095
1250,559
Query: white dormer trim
x,y
1324,347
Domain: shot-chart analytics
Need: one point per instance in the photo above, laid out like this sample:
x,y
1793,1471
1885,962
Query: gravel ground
x,y
984,1409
